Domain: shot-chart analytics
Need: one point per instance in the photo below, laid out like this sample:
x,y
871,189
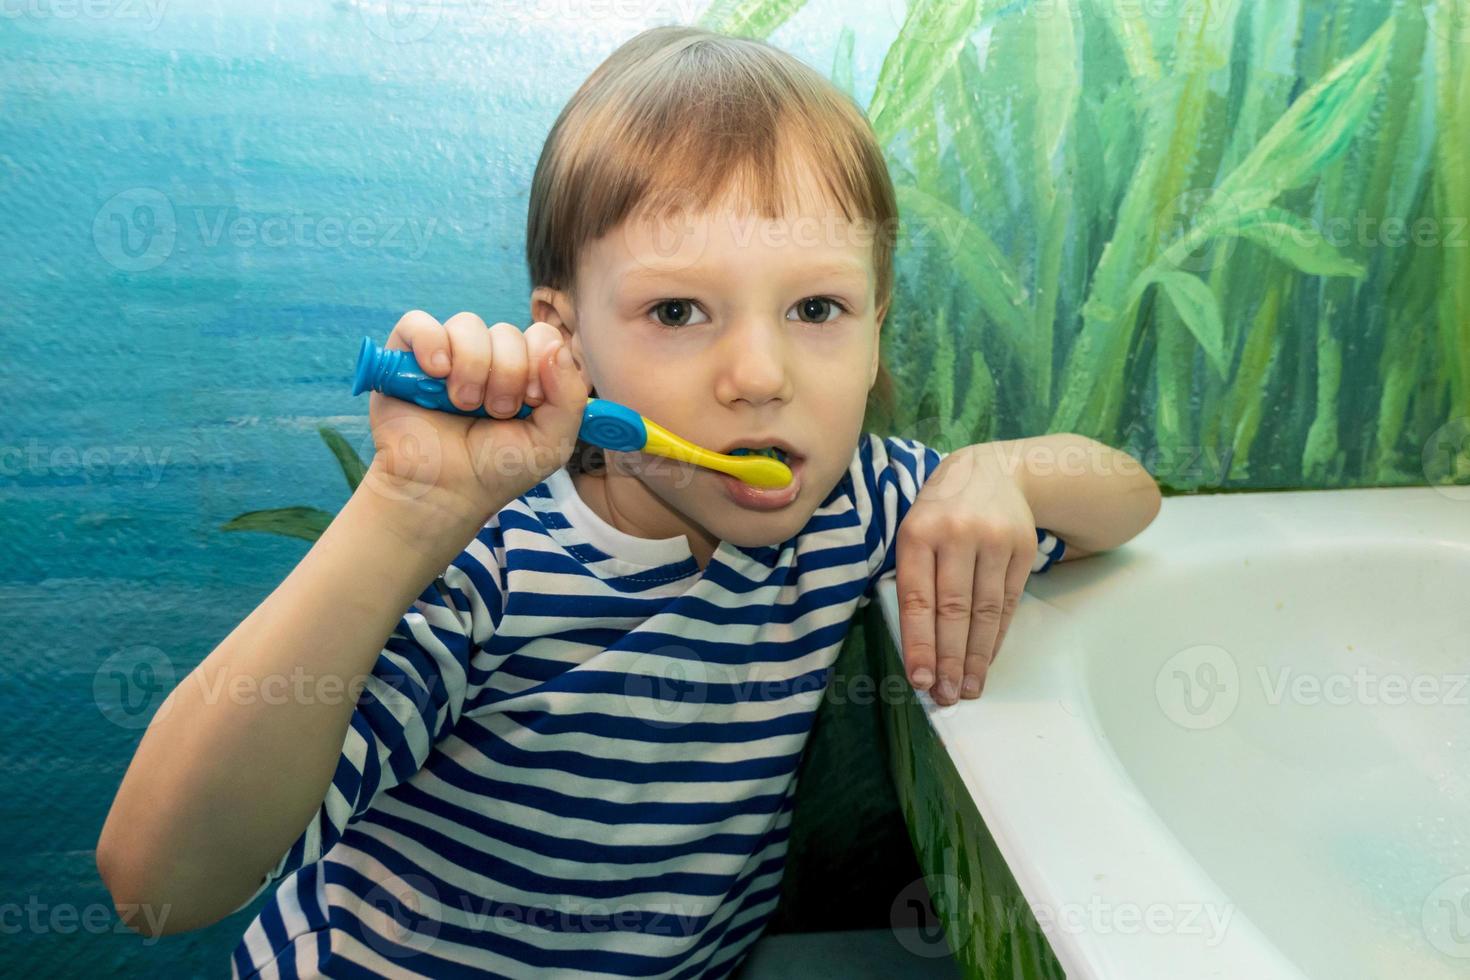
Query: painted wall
x,y
203,207
1233,244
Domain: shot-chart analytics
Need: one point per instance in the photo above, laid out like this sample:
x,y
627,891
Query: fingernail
x,y
946,691
471,394
923,677
564,357
972,686
441,361
503,406
533,389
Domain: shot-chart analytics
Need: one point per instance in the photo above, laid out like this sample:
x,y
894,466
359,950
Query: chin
x,y
761,529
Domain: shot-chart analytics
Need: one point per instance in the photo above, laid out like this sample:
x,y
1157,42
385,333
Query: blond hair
x,y
667,122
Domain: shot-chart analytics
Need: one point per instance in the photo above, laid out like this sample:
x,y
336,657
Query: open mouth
x,y
773,452
775,448
768,499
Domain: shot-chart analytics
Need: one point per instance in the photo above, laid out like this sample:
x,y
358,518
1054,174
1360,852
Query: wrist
x,y
1004,460
424,519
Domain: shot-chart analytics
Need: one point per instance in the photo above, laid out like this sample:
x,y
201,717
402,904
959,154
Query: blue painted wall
x,y
205,204
203,209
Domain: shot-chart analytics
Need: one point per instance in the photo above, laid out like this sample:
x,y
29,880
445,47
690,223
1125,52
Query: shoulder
x,y
881,463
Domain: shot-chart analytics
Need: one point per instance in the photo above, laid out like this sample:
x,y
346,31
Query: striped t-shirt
x,y
577,753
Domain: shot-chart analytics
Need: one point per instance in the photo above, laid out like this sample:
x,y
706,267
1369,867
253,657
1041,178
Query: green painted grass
x,y
1230,237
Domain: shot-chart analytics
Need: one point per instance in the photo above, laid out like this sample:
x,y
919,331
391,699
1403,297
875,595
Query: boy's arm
x,y
1092,496
965,549
229,771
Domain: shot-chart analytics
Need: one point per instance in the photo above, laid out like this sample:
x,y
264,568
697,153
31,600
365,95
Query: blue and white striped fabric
x,y
577,753
1049,550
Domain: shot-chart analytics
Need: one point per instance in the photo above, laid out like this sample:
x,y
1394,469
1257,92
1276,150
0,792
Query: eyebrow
x,y
839,270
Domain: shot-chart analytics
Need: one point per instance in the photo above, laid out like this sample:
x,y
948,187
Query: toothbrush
x,y
605,423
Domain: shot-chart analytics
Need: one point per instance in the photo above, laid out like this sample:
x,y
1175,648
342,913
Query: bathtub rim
x,y
1063,810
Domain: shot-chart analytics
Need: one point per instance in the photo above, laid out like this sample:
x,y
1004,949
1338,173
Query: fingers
x,y
419,332
469,345
988,604
954,590
505,391
955,604
540,338
1016,576
915,585
496,367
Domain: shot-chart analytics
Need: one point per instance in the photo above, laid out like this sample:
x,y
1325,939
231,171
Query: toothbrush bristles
x,y
770,452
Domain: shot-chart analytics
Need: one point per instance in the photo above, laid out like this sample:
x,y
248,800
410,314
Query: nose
x,y
753,359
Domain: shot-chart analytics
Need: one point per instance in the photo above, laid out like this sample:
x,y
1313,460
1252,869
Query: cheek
x,y
837,393
624,376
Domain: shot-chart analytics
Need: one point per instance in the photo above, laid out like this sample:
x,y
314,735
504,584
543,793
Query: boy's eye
x,y
807,306
810,310
678,310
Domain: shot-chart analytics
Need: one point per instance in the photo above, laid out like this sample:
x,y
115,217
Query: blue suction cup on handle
x,y
396,373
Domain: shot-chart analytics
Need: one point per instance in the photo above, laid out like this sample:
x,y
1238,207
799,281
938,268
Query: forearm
x,y
237,759
1094,497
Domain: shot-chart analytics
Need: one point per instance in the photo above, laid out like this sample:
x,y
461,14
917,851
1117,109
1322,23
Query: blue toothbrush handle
x,y
396,373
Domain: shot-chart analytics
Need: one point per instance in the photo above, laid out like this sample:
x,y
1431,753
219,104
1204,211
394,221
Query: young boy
x,y
575,753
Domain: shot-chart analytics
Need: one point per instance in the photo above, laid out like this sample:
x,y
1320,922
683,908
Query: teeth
x,y
772,451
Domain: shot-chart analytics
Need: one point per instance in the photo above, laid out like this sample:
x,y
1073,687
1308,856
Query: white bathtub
x,y
1239,746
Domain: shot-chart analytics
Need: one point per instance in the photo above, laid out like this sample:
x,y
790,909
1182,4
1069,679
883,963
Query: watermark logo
x,y
1206,921
135,229
407,454
93,464
408,21
559,13
1450,19
396,915
1363,686
669,687
919,911
668,236
1192,216
939,22
1198,687
1446,459
140,228
399,21
1446,917
1185,16
132,685
37,918
147,13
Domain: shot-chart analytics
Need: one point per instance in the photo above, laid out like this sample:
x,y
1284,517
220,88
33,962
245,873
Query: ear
x,y
877,345
555,307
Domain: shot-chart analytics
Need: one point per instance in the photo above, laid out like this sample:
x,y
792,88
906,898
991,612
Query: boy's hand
x,y
475,466
964,552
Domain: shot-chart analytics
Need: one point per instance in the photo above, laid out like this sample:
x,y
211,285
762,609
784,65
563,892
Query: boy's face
x,y
729,329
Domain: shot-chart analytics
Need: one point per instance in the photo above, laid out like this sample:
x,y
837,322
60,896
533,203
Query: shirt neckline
x,y
618,543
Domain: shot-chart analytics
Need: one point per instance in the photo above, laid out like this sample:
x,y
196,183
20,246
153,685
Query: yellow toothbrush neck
x,y
758,471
